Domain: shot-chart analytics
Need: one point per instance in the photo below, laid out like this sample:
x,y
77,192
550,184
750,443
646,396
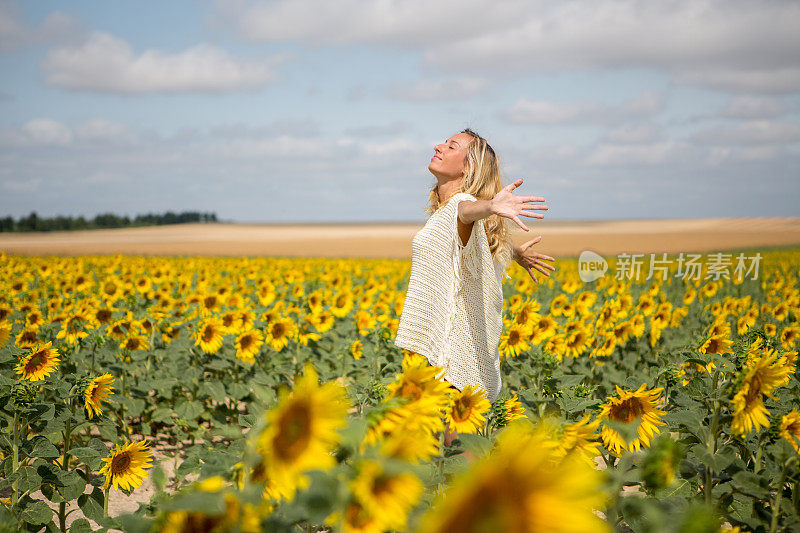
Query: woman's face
x,y
448,158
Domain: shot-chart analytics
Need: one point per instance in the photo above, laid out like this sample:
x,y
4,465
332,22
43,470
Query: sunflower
x,y
577,340
279,331
209,335
304,334
134,342
790,428
365,322
410,444
5,332
580,439
357,349
386,494
301,432
543,328
248,344
761,377
342,304
126,465
96,392
467,410
716,344
513,409
39,363
72,328
323,321
418,382
512,342
631,407
523,487
27,338
789,336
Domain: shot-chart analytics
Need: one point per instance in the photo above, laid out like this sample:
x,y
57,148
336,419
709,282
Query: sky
x,y
309,111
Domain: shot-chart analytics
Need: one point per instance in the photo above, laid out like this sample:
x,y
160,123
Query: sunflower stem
x,y
105,501
773,527
62,507
711,443
757,462
15,460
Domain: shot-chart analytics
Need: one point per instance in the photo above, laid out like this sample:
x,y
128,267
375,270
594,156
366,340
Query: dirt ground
x,y
559,239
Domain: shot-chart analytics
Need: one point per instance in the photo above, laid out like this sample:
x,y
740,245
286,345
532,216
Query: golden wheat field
x,y
234,390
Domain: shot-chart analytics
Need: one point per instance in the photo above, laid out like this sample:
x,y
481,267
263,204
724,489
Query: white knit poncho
x,y
453,309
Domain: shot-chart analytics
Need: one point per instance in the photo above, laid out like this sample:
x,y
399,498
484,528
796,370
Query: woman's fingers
x,y
531,273
530,242
514,185
521,225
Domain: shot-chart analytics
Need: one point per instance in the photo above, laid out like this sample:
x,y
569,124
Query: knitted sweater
x,y
453,309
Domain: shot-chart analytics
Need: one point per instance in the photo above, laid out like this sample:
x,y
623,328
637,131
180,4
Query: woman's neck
x,y
448,189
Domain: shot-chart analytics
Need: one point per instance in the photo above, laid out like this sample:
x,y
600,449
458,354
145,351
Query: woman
x,y
452,313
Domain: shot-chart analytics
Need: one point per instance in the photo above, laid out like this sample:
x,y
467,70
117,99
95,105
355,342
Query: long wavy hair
x,y
482,180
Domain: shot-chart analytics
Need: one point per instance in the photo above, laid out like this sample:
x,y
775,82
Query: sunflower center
x,y
294,431
409,389
36,361
246,342
754,390
513,337
208,333
278,330
462,408
628,410
120,463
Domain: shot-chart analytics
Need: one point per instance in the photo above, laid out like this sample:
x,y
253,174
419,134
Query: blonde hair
x,y
482,180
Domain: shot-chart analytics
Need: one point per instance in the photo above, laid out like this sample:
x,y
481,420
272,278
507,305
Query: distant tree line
x,y
33,222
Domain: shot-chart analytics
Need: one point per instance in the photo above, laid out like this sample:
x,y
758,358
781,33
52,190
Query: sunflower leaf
x,y
35,512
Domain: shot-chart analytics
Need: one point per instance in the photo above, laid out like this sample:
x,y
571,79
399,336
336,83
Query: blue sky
x,y
299,110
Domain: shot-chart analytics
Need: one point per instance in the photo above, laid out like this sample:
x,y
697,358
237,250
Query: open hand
x,y
528,259
507,205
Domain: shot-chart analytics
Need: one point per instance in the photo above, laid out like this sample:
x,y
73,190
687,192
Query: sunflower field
x,y
266,394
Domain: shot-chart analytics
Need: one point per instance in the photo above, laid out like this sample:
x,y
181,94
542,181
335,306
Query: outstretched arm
x,y
504,204
528,259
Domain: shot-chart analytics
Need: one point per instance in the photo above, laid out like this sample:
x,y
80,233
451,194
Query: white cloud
x,y
105,130
751,132
21,185
430,90
44,131
728,44
542,112
16,33
106,63
632,154
753,107
777,80
632,133
49,132
527,111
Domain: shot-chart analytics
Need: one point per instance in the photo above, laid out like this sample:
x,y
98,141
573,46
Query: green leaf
x,y
216,390
36,512
88,456
750,484
27,478
189,410
92,504
478,445
162,414
247,421
41,447
81,525
238,390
